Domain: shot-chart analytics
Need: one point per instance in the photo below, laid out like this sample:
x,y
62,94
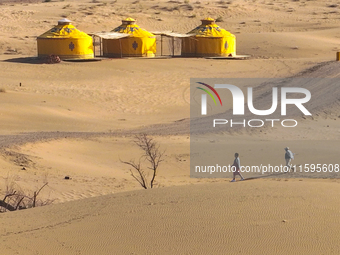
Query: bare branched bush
x,y
16,199
151,154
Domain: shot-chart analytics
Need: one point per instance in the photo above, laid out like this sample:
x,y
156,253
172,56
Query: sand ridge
x,y
261,217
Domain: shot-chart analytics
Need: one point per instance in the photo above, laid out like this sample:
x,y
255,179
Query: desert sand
x,y
78,119
265,217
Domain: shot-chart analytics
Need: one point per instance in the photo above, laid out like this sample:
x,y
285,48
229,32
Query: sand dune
x,y
252,217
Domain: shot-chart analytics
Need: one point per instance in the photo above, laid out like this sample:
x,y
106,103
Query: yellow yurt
x,y
65,41
209,40
139,42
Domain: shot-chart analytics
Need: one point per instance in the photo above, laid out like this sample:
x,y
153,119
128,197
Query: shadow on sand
x,y
26,60
36,60
277,175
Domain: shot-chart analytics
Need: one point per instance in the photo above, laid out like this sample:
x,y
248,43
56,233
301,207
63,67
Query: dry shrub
x,y
16,198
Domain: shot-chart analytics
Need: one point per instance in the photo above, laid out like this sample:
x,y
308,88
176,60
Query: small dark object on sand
x,y
67,177
52,59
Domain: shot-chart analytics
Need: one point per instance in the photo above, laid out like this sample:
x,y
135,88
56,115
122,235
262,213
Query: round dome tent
x,y
65,41
137,43
209,40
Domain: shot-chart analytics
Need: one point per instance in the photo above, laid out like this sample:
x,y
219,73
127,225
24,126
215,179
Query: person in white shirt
x,y
236,168
288,157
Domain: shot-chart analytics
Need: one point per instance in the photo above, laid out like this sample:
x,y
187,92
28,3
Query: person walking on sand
x,y
288,157
236,168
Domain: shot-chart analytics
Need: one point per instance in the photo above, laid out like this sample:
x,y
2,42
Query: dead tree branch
x,y
141,179
19,200
152,154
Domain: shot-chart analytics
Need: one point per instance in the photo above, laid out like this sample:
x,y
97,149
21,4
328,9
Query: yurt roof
x,y
209,28
208,19
64,21
129,19
64,29
128,26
